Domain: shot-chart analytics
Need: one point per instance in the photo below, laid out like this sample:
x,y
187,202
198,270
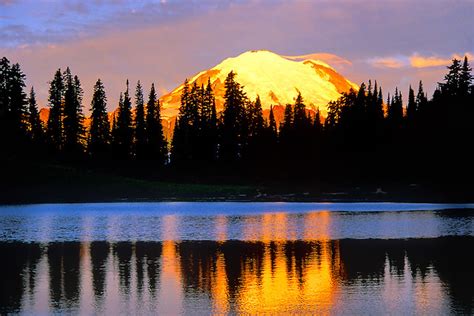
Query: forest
x,y
364,137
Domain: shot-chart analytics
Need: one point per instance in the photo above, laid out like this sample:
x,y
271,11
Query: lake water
x,y
227,258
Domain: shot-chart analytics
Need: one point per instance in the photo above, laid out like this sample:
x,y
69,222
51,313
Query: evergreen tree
x,y
181,149
452,79
18,101
123,138
16,111
13,123
300,119
140,124
233,128
317,134
411,107
194,109
35,129
99,135
5,69
272,126
463,117
287,133
73,121
256,127
287,124
380,112
318,127
255,118
333,119
375,114
207,142
113,129
301,135
156,143
421,99
395,111
465,78
55,119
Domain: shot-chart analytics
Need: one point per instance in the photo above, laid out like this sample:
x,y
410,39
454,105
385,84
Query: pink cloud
x,y
331,59
387,62
419,61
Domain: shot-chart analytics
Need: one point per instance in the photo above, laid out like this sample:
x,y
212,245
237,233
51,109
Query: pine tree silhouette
x,y
411,108
73,121
181,149
123,135
140,124
18,105
99,134
55,131
156,144
233,125
256,125
13,107
35,126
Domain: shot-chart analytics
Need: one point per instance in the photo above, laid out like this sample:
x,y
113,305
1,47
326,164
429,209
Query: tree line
x,y
362,134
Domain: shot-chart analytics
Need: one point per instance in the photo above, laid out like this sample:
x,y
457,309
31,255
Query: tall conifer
x,y
99,134
156,144
55,130
35,126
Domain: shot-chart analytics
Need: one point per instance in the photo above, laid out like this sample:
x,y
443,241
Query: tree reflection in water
x,y
424,275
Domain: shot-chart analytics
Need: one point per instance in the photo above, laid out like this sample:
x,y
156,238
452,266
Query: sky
x,y
397,42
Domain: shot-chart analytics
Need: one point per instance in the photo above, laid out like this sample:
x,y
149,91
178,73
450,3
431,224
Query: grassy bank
x,y
44,183
41,182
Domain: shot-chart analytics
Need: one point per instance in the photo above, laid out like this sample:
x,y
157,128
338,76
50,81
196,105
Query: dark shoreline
x,y
30,182
230,199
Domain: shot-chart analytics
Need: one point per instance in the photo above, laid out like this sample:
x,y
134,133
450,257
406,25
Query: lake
x,y
226,258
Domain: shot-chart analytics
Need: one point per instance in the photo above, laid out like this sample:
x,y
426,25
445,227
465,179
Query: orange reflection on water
x,y
286,264
171,296
317,226
221,228
268,227
281,278
219,287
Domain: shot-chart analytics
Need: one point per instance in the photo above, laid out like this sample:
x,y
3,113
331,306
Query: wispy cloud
x,y
415,61
418,61
7,2
388,62
167,41
331,59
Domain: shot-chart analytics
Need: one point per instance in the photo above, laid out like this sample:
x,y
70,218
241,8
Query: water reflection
x,y
273,262
396,276
260,222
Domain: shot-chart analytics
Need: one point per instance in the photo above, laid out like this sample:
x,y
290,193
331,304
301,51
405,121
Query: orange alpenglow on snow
x,y
276,79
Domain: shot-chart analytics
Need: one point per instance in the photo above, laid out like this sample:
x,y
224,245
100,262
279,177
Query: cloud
x,y
55,22
331,59
166,42
7,2
388,62
418,61
415,60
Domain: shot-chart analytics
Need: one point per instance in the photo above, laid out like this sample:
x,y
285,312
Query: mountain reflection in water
x,y
397,276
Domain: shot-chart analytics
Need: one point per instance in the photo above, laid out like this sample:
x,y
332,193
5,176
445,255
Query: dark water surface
x,y
204,258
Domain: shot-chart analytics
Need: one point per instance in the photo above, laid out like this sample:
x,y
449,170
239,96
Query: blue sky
x,y
397,42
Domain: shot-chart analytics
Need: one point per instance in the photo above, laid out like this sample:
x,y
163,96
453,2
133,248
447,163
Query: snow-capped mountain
x,y
276,79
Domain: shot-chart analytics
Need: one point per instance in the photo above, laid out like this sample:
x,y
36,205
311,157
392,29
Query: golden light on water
x,y
286,263
221,228
219,287
279,284
171,294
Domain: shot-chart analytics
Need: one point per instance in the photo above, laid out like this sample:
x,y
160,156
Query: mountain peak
x,y
276,79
